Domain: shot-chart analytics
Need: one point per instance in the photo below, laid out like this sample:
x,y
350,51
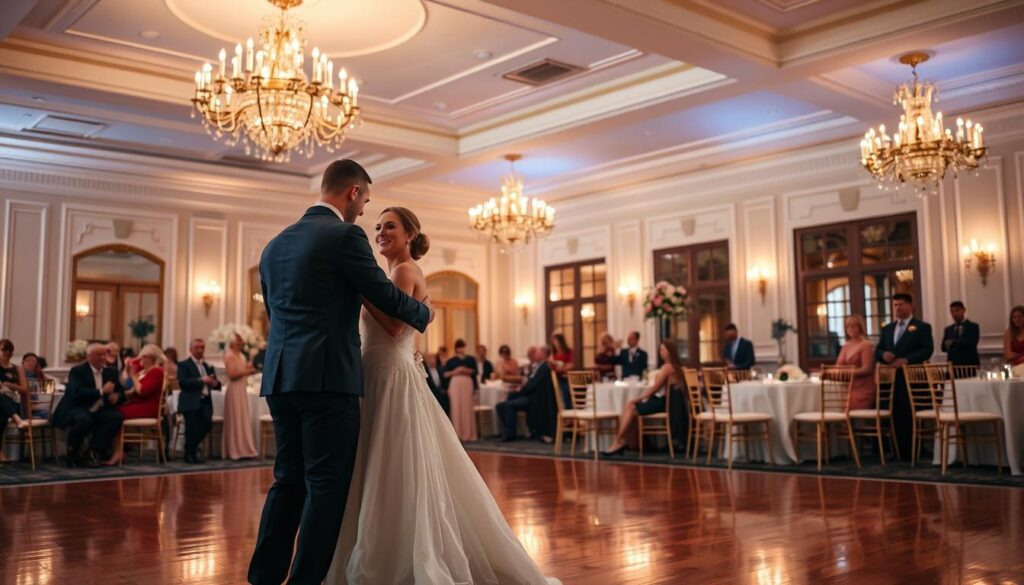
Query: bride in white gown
x,y
418,510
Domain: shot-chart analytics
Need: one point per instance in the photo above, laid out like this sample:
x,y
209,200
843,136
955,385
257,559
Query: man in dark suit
x,y
960,340
486,367
739,352
632,359
197,379
434,383
904,341
88,406
315,275
534,397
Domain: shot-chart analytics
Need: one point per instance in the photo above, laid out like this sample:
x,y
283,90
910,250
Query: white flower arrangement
x,y
252,342
665,300
790,373
76,350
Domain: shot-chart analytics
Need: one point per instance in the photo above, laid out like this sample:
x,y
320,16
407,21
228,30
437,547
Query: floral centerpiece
x,y
252,342
666,301
790,373
780,327
76,350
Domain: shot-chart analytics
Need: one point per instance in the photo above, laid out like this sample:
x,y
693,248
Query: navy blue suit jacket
x,y
914,346
633,367
314,276
81,392
744,358
190,379
962,349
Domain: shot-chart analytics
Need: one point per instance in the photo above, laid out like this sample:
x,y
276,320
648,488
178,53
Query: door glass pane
x,y
672,267
879,287
712,317
568,284
463,322
600,279
813,259
835,249
827,306
586,281
94,314
555,286
872,242
139,308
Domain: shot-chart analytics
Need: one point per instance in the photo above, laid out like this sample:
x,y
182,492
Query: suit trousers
x,y
316,435
507,414
197,425
102,425
902,415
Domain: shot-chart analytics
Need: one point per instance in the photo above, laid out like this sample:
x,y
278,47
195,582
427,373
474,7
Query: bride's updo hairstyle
x,y
419,243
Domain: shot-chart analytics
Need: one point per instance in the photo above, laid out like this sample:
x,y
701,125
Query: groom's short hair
x,y
342,174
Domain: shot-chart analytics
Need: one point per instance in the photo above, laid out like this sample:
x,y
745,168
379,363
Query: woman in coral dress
x,y
237,441
859,353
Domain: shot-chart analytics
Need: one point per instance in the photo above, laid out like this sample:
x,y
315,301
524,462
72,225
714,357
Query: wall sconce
x,y
629,291
209,291
82,311
523,304
984,260
759,278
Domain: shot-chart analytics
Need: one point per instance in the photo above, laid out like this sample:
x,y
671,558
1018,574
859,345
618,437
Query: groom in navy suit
x,y
315,275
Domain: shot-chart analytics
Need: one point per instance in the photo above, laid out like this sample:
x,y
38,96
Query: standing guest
x,y
197,379
535,397
904,341
739,352
434,383
89,406
633,359
1013,338
652,400
13,387
960,340
507,366
486,367
143,399
604,361
237,441
859,353
461,372
439,361
171,366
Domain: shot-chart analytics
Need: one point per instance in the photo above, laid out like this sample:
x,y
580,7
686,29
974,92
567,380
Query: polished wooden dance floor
x,y
584,523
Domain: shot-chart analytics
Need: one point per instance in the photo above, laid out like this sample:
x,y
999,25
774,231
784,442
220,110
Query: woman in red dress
x,y
1013,338
143,400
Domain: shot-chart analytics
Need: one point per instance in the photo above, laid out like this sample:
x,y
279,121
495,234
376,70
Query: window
x,y
577,306
704,270
853,267
454,299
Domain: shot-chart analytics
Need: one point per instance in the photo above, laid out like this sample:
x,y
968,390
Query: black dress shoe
x,y
507,439
70,461
88,461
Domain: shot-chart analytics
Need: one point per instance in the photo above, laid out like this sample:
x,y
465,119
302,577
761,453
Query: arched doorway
x,y
454,297
117,295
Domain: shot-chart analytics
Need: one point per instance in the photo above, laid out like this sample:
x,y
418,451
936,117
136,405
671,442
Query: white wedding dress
x,y
418,510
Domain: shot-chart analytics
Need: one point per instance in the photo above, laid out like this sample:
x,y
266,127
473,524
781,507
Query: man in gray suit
x,y
315,275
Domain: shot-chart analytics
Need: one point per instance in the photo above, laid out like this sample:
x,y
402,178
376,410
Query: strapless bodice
x,y
376,339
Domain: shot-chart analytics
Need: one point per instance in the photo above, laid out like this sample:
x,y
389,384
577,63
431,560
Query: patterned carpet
x,y
870,466
49,472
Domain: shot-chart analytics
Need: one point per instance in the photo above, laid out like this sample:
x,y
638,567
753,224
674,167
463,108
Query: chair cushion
x,y
482,408
869,413
266,418
925,414
737,417
589,414
218,418
656,415
818,416
34,422
969,417
141,422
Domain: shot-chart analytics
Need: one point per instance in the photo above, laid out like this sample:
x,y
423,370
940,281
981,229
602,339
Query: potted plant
x,y
142,328
780,327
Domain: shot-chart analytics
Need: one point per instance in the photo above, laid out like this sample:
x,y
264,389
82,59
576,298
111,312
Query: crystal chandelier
x,y
923,149
512,220
267,103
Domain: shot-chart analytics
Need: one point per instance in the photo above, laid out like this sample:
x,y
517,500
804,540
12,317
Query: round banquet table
x,y
781,400
1002,397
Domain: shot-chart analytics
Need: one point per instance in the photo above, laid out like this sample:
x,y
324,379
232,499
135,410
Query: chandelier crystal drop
x,y
267,103
512,220
922,149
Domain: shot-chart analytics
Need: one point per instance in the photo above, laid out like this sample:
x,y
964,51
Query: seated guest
x,y
127,356
439,361
507,366
461,372
633,359
171,366
13,387
114,357
739,352
196,379
652,400
535,397
859,353
434,383
960,340
1013,338
530,366
237,441
89,406
562,360
33,371
604,361
486,367
143,399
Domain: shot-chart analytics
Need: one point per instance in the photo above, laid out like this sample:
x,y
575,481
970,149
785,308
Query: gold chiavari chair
x,y
922,407
965,372
835,403
584,418
267,434
877,421
691,377
740,376
39,400
658,424
719,397
951,418
141,431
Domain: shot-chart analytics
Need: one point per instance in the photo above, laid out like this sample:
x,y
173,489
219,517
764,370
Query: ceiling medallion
x,y
923,149
512,221
267,103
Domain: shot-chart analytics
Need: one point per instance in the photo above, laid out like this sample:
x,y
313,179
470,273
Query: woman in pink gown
x,y
237,441
461,372
859,353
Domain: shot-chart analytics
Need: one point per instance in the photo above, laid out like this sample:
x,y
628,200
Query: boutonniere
x,y
912,328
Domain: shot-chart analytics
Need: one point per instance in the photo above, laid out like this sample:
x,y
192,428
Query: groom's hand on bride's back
x,y
426,302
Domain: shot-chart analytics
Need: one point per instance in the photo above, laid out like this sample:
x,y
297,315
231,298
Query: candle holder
x,y
982,261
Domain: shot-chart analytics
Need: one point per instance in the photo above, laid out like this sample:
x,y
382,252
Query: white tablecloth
x,y
782,400
257,407
1002,397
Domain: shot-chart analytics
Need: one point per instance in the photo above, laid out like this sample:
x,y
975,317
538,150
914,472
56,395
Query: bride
x,y
418,511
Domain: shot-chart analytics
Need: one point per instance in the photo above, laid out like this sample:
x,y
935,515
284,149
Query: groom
x,y
314,276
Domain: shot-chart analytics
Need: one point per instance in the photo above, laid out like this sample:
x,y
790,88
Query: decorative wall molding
x,y
219,229
18,215
693,227
252,239
761,253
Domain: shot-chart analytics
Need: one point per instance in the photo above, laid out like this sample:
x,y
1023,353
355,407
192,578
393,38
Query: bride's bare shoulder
x,y
408,268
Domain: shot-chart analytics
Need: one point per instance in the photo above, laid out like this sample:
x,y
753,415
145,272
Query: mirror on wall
x,y
257,311
117,295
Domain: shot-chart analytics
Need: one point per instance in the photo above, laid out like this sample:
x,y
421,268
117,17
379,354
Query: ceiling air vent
x,y
66,127
542,72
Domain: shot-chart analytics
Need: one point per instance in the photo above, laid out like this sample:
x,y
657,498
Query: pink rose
x,y
661,284
657,301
